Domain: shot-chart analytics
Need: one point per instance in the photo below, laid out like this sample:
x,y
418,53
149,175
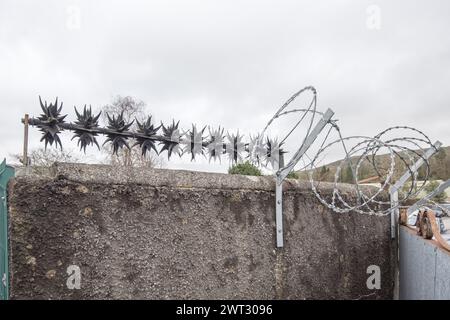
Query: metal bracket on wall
x,y
282,173
393,191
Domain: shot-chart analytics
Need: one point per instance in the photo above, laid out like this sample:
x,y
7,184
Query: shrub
x,y
245,168
293,175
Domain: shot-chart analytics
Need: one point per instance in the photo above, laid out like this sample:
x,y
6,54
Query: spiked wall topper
x,y
235,147
216,143
51,119
88,122
256,149
146,135
147,139
195,142
272,151
172,138
116,137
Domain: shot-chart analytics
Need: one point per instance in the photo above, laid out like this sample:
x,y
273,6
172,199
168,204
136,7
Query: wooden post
x,y
25,141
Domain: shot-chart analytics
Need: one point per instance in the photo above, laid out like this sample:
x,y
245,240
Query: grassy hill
x,y
439,165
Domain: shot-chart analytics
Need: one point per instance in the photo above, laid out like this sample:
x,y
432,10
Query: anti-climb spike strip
x,y
171,139
116,136
256,149
273,150
195,142
405,145
148,131
216,144
51,121
235,147
88,122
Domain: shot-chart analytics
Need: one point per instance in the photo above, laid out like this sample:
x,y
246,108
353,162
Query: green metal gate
x,y
6,173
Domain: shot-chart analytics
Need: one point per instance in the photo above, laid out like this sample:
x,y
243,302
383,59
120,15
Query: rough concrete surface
x,y
168,234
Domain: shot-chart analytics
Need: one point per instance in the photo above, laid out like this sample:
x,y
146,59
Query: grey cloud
x,y
229,63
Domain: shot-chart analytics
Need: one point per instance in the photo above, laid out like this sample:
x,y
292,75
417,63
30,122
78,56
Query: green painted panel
x,y
6,173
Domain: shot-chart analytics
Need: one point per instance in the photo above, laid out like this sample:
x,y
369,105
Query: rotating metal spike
x,y
194,142
272,153
172,136
215,144
87,121
119,125
50,121
234,147
256,149
148,142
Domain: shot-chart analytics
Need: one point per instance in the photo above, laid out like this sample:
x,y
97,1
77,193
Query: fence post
x,y
25,140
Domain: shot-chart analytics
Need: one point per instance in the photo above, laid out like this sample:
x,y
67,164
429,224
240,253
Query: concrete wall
x,y
424,268
159,234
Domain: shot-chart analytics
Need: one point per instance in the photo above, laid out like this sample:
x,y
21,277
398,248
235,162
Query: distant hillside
x,y
439,165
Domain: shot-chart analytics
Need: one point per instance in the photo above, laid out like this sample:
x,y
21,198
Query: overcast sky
x,y
228,63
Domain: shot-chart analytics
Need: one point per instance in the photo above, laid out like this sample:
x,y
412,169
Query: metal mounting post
x,y
279,212
282,172
393,191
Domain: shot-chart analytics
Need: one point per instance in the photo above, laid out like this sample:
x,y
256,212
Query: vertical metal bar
x,y
280,160
279,212
394,211
25,140
278,205
283,171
